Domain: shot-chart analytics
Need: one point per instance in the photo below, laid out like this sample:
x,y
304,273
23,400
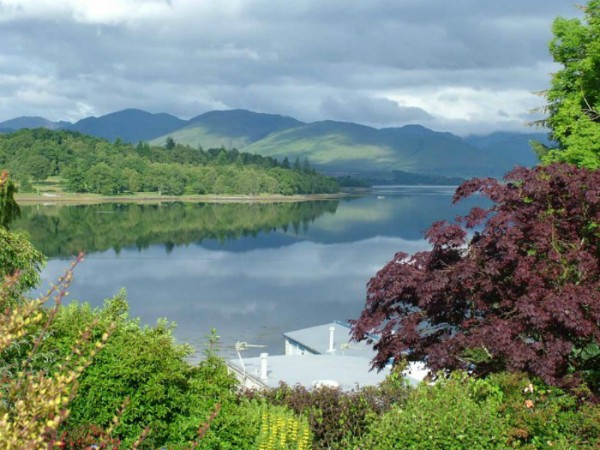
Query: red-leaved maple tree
x,y
513,287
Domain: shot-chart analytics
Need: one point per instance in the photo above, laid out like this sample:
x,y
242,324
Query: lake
x,y
250,270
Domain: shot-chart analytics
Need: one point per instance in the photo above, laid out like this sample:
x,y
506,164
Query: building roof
x,y
316,339
347,372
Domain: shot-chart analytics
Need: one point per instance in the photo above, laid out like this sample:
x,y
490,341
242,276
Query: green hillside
x,y
201,136
347,147
341,148
229,129
337,145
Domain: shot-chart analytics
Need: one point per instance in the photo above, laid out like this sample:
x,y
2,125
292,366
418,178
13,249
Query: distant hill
x,y
32,122
130,125
235,128
510,146
337,148
499,138
340,148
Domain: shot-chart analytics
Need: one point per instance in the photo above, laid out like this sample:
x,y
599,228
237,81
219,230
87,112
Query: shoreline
x,y
87,199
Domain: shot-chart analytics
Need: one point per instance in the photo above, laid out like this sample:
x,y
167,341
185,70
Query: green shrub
x,y
18,255
452,414
540,416
337,419
236,427
144,368
505,410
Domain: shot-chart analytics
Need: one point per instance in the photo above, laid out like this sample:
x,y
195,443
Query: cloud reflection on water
x,y
250,296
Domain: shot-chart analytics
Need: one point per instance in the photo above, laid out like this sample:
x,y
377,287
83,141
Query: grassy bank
x,y
153,197
52,191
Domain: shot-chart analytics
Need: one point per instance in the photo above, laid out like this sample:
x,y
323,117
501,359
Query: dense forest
x,y
89,164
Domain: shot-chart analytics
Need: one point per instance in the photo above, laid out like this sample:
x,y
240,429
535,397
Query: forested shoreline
x,y
86,164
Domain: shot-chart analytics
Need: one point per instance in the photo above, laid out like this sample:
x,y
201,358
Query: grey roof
x,y
317,340
347,371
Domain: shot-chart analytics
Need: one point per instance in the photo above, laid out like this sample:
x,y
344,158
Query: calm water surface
x,y
251,271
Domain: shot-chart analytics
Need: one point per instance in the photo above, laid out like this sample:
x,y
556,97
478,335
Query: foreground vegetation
x,y
94,376
76,376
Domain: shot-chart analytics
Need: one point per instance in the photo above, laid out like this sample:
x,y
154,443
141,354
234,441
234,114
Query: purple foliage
x,y
515,287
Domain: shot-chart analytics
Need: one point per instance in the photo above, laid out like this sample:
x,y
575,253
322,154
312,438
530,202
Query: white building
x,y
320,355
308,370
331,338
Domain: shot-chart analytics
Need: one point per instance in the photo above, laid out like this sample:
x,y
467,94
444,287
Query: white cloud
x,y
86,11
462,108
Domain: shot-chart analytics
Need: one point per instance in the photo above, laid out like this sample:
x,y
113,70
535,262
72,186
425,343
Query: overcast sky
x,y
465,66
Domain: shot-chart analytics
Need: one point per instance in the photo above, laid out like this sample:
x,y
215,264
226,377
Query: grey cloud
x,y
311,59
379,111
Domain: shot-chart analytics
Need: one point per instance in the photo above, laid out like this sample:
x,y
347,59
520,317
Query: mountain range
x,y
337,148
